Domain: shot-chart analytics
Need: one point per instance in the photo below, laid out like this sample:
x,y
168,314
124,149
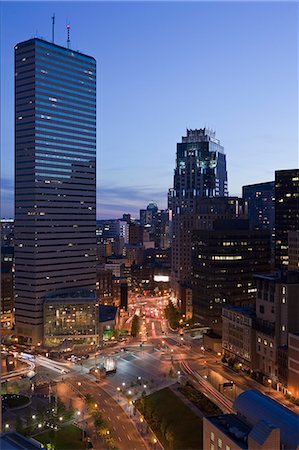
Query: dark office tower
x,y
200,172
124,296
286,212
224,260
260,198
7,288
55,188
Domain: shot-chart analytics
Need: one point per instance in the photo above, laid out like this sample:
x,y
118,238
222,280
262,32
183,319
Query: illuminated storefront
x,y
70,317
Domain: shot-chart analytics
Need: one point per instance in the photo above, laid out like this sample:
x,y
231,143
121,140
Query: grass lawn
x,y
67,438
176,426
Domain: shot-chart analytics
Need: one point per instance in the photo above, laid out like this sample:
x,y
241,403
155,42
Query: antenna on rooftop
x,y
53,26
68,27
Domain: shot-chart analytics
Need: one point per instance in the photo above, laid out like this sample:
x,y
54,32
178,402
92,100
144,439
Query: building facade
x,y
200,172
277,315
293,250
224,261
286,212
293,364
238,335
55,178
260,198
7,288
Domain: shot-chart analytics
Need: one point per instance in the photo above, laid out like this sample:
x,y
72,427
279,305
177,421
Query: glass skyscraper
x,y
55,178
200,173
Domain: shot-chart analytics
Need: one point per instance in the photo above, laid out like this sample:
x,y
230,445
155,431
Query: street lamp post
x,y
270,383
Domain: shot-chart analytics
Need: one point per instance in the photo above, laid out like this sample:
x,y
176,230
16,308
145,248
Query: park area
x,y
176,426
68,437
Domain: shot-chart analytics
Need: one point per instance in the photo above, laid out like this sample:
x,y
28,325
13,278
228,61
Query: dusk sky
x,y
162,67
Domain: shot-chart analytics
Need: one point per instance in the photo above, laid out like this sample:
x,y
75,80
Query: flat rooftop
x,y
234,428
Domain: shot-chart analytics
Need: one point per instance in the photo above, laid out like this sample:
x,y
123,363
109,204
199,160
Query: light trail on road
x,y
212,393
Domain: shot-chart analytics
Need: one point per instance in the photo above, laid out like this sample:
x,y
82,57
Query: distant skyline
x,y
162,68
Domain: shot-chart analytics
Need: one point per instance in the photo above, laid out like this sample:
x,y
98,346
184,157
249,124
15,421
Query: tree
x,y
172,314
19,425
135,326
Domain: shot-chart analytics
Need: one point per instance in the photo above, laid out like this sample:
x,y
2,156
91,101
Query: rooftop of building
x,y
74,295
201,135
253,406
257,416
107,313
16,441
47,43
246,310
280,276
265,184
233,427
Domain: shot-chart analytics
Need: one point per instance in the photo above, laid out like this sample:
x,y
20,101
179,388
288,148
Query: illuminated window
x,y
212,436
220,443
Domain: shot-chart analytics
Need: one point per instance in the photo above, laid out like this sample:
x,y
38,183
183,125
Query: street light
x,y
60,418
79,383
34,416
39,425
95,405
7,425
270,382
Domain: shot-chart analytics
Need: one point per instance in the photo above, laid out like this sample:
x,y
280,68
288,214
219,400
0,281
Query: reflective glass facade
x,y
55,177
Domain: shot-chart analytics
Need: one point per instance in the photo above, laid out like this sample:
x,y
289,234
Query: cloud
x,y
7,197
114,200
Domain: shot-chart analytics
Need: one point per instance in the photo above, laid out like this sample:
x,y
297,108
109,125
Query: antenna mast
x,y
53,26
68,27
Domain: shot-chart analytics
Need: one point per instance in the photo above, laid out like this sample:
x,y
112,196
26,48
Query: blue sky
x,y
163,67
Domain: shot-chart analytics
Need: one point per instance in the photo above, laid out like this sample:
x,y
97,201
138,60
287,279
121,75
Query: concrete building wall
x,y
293,365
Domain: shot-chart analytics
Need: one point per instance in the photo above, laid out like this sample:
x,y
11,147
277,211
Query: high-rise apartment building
x,y
55,182
200,172
286,212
